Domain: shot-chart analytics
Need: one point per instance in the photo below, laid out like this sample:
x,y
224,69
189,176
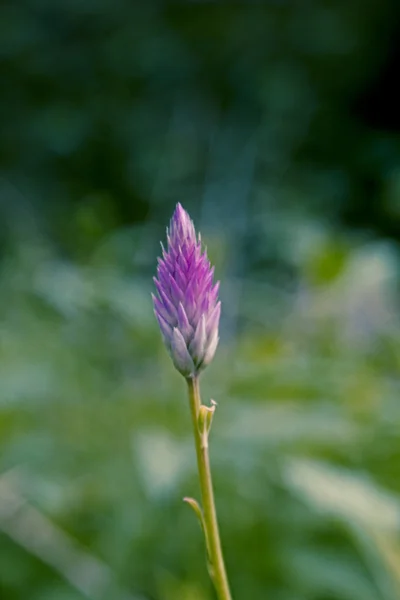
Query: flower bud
x,y
186,306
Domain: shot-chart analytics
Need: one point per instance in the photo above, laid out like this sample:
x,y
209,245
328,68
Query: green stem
x,y
218,572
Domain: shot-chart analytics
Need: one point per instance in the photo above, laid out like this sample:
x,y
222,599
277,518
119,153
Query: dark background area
x,y
276,125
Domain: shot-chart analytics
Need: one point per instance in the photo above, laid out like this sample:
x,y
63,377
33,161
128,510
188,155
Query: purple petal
x,y
190,306
163,277
158,285
214,294
167,303
162,311
176,292
180,355
183,323
213,320
180,277
210,350
166,330
182,262
197,345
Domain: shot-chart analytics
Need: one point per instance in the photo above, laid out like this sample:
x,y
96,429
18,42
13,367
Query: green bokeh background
x,y
276,125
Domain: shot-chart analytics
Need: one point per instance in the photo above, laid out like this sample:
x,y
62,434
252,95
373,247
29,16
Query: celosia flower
x,y
187,306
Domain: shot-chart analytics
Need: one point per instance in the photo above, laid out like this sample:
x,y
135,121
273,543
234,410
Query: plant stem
x,y
217,567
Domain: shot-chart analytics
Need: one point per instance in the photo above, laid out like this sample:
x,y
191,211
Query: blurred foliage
x,y
266,124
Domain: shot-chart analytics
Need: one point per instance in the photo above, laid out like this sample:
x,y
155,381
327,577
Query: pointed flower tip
x,y
186,305
180,214
181,229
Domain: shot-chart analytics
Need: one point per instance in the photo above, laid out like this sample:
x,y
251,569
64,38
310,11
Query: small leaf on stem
x,y
199,513
196,507
204,421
